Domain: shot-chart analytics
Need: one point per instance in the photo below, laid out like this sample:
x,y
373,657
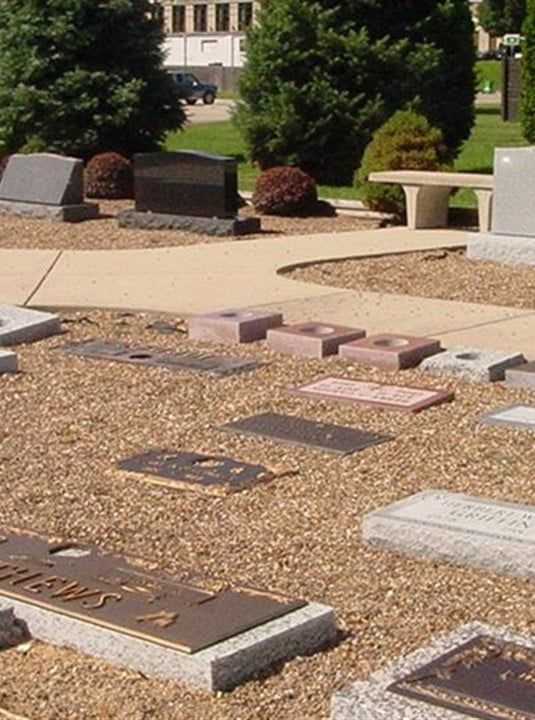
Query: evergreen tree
x,y
83,76
498,17
322,75
527,107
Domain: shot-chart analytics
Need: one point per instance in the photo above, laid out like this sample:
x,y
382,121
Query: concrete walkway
x,y
198,278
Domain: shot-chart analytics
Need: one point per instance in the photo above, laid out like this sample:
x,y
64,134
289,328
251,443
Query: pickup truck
x,y
190,88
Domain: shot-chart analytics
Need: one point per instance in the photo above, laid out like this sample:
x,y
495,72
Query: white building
x,y
200,33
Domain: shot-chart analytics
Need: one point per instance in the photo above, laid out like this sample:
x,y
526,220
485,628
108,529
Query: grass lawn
x,y
476,155
489,71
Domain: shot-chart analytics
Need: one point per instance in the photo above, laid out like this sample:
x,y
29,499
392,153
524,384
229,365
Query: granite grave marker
x,y
45,185
21,324
212,473
213,634
337,439
378,395
476,364
311,339
8,362
161,357
520,417
490,534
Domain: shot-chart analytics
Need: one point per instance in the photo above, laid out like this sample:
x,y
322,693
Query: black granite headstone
x,y
186,183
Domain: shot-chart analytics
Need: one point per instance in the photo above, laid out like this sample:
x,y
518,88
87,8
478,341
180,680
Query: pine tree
x,y
322,75
83,76
498,17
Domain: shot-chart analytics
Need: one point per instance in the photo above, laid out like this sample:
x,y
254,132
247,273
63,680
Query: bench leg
x,y
484,209
427,206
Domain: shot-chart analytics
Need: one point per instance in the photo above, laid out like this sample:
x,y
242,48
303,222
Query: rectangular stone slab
x,y
120,594
21,324
211,473
521,376
521,417
161,357
298,431
43,178
514,198
373,699
490,534
387,397
186,183
209,633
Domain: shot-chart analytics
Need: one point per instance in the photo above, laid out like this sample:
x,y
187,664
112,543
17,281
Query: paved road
x,y
218,112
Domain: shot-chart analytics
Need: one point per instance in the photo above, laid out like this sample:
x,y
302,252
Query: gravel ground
x,y
105,234
446,274
65,420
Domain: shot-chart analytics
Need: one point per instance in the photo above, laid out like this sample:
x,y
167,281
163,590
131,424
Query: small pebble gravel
x,y
445,274
105,233
65,421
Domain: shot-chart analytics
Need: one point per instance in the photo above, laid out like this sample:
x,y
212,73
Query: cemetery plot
x,y
214,474
477,671
112,592
493,679
388,397
20,324
521,417
498,536
169,359
210,633
298,431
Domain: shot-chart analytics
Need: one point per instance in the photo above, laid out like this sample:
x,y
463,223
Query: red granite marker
x,y
377,395
235,326
392,352
312,339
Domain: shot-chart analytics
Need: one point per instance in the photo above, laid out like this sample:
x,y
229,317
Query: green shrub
x,y
322,76
4,159
285,191
109,176
405,142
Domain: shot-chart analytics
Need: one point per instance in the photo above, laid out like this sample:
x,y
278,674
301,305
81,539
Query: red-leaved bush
x,y
285,191
109,176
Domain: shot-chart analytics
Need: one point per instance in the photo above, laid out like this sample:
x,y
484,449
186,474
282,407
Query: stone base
x,y
507,249
219,227
20,325
370,699
64,213
8,362
219,667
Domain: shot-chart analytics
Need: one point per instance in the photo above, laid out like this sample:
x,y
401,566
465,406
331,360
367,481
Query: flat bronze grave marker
x,y
214,474
484,678
119,594
162,357
378,395
298,431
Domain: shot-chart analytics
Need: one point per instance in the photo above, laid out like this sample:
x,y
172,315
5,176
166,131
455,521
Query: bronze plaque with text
x,y
484,678
124,595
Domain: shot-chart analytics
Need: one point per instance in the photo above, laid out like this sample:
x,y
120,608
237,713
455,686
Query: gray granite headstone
x,y
512,237
43,178
21,324
497,536
514,192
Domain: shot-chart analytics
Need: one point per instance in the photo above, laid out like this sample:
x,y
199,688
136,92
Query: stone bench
x,y
427,193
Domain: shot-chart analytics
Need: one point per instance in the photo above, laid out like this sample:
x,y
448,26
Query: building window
x,y
199,18
178,21
222,17
245,15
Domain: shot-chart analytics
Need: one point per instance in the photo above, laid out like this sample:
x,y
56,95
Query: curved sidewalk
x,y
240,273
